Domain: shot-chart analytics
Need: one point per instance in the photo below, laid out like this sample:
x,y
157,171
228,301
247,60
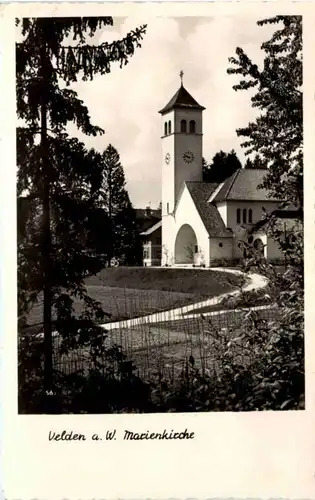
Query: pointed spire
x,y
182,99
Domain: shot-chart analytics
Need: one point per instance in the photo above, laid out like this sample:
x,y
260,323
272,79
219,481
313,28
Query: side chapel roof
x,y
243,185
152,229
210,216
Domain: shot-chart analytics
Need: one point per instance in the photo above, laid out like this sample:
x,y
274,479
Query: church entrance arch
x,y
259,247
186,246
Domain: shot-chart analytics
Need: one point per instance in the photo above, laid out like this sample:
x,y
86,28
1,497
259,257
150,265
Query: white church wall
x,y
273,250
257,212
187,213
189,114
260,235
168,240
168,175
240,229
187,171
240,234
222,209
185,245
168,120
185,142
221,249
174,145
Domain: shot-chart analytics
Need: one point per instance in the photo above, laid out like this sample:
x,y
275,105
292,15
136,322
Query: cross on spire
x,y
181,74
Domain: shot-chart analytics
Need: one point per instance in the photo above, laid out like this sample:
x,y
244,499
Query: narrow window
x,y
165,128
244,216
192,126
196,248
238,216
168,207
250,216
183,126
169,127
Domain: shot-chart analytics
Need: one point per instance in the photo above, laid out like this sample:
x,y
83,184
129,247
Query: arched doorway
x,y
259,247
186,246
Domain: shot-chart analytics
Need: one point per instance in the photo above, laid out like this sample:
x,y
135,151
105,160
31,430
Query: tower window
x,y
167,208
165,128
169,127
183,126
244,216
238,216
192,126
250,216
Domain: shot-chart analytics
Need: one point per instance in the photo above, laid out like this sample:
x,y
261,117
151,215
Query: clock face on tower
x,y
167,158
188,157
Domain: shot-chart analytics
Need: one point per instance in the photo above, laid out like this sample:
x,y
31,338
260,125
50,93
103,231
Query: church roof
x,y
242,185
182,99
151,229
147,213
210,216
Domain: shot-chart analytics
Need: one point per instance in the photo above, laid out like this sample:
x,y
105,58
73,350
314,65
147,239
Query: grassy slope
x,y
193,281
133,292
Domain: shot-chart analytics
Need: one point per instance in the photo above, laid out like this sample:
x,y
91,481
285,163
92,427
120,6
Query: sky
x,y
125,102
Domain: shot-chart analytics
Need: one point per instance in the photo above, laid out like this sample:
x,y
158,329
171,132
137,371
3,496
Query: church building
x,y
202,224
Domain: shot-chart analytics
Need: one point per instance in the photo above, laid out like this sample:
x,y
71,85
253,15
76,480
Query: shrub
x,y
259,368
88,378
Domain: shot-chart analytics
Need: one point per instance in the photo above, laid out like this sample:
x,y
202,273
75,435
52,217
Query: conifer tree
x,y
257,163
116,203
43,59
248,164
223,165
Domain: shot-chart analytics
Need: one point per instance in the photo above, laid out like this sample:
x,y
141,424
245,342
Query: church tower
x,y
181,145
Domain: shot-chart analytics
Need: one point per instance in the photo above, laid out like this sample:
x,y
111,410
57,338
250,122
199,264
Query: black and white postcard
x,y
157,213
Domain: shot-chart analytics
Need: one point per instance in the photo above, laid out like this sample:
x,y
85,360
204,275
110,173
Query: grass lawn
x,y
136,291
192,281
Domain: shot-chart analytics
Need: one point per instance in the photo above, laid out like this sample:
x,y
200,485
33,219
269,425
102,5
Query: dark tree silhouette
x,y
223,165
277,133
43,60
123,238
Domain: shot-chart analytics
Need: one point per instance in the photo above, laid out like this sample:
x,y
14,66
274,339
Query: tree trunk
x,y
46,233
110,214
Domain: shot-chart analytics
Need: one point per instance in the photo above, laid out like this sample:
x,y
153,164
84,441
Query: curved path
x,y
255,282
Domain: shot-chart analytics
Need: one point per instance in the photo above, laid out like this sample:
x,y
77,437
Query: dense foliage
x,y
123,238
59,246
222,166
277,137
257,162
258,367
277,132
